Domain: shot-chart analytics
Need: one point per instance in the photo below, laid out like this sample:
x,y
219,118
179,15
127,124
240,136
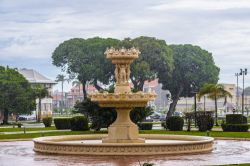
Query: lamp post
x,y
194,91
237,91
243,73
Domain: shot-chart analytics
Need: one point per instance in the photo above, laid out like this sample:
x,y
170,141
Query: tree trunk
x,y
216,111
84,90
172,107
174,103
5,116
39,110
97,86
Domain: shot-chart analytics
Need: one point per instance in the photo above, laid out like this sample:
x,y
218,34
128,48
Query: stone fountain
x,y
123,130
123,137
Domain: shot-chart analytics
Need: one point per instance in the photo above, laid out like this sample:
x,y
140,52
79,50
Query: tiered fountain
x,y
123,137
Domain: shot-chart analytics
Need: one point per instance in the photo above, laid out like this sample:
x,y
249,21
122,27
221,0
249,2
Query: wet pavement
x,y
225,152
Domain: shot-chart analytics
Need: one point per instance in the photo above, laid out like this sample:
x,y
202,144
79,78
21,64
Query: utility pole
x,y
243,73
237,92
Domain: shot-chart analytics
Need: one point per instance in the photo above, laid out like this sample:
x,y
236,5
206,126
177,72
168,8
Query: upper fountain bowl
x,y
123,100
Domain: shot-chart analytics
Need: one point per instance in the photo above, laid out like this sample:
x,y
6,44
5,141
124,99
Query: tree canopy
x,y
85,59
193,67
156,57
16,94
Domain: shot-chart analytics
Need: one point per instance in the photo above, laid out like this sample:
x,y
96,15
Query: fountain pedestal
x,y
123,130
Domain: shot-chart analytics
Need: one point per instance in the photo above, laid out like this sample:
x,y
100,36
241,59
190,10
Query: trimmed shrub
x,y
175,123
79,123
47,121
235,127
235,119
205,122
62,123
145,125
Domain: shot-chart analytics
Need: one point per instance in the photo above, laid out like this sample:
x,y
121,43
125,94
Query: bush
x,y
47,121
79,123
205,122
62,123
163,124
235,119
175,123
235,127
147,125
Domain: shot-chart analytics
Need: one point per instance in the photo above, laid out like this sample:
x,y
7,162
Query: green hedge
x,y
235,119
174,123
235,127
47,121
145,125
79,123
62,123
205,122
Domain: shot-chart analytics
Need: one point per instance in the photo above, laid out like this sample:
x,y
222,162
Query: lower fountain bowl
x,y
92,145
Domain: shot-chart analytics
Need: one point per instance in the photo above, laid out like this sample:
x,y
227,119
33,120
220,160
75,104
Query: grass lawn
x,y
27,129
35,135
197,133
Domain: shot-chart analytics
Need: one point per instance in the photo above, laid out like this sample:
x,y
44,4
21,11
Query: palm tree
x,y
61,78
77,83
40,93
214,92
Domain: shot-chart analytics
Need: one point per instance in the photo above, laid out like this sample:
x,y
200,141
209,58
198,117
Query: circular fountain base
x,y
154,145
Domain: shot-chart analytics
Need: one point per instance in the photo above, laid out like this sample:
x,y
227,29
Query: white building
x,y
36,78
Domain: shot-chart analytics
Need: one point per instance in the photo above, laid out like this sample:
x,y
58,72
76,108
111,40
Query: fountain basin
x,y
154,145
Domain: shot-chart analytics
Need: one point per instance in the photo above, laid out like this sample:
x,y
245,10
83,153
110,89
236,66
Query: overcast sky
x,y
30,30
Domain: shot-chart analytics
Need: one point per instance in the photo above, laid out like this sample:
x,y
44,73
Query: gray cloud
x,y
32,29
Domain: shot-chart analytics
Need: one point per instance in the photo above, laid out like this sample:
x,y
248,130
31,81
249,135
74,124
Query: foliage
x,y
16,94
47,121
155,58
214,92
205,122
235,119
40,92
174,123
104,117
146,125
62,123
85,59
99,117
79,123
193,67
140,114
235,127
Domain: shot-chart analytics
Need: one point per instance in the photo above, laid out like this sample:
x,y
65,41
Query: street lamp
x,y
194,91
243,73
237,91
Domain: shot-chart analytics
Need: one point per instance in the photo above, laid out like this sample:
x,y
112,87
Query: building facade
x,y
36,78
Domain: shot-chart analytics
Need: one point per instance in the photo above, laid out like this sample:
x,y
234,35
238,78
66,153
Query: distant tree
x,y
193,67
62,78
16,94
156,57
86,60
40,93
214,92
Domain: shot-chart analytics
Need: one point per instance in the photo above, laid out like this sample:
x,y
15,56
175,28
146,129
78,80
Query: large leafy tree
x,y
193,67
16,94
40,93
85,59
156,57
214,92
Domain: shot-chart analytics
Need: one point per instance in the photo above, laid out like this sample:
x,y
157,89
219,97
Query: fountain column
x,y
123,130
